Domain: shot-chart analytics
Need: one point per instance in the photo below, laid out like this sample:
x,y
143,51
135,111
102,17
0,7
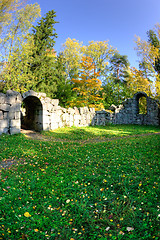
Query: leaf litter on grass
x,y
80,191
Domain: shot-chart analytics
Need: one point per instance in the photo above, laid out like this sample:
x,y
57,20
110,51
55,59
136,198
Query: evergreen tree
x,y
64,88
154,41
119,73
44,57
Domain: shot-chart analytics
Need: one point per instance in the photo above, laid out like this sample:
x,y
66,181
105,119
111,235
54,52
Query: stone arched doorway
x,y
141,103
32,113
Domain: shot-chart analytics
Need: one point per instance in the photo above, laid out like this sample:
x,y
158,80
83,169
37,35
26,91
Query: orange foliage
x,y
87,85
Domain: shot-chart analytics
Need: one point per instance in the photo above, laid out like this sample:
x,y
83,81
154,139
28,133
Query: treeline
x,y
94,75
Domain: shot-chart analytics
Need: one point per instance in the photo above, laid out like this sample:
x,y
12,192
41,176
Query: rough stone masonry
x,y
33,110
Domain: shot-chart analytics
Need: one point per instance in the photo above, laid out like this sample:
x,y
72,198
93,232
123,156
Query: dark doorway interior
x,y
32,114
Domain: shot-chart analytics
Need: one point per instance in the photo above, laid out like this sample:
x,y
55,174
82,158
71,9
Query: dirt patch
x,y
7,163
34,135
37,136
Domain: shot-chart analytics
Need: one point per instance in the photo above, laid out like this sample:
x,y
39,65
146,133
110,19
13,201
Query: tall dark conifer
x,y
43,65
64,88
153,39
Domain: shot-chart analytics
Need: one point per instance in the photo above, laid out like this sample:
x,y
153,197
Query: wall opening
x,y
32,114
142,105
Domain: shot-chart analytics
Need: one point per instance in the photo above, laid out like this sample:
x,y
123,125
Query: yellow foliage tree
x,y
137,82
149,53
87,86
100,52
16,45
72,54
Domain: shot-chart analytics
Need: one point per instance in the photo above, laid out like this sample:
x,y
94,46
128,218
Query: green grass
x,y
70,190
99,132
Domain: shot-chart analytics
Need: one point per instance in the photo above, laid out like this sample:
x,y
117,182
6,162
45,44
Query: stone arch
x,y
138,96
31,112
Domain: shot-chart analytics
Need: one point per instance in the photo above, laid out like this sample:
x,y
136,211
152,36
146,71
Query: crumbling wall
x,y
36,111
10,104
128,112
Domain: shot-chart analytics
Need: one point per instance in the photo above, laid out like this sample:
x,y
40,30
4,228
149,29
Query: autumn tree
x,y
72,54
16,49
100,52
87,85
7,9
149,57
137,82
43,65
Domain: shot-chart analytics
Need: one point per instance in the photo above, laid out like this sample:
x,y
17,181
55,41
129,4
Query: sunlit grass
x,y
66,190
85,133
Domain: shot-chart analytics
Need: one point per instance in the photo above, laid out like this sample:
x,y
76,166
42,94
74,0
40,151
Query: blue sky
x,y
115,20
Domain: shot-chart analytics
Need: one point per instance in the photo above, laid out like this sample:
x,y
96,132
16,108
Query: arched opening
x,y
141,105
32,114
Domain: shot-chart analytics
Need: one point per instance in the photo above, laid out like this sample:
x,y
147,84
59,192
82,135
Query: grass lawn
x,y
66,188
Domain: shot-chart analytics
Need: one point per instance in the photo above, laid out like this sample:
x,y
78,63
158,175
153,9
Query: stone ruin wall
x,y
10,104
43,113
128,111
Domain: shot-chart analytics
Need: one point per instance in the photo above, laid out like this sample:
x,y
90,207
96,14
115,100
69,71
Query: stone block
x,y
11,99
83,122
61,124
15,123
92,110
53,117
59,112
4,123
14,130
88,116
5,115
19,98
71,111
55,102
4,130
46,113
54,125
16,107
71,123
81,110
46,119
76,123
17,115
2,98
11,115
77,117
5,107
29,93
65,117
48,106
41,95
76,110
71,118
46,126
64,110
1,115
